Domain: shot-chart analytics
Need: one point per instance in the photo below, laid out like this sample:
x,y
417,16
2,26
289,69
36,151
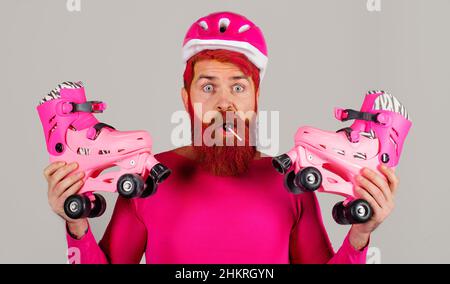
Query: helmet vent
x,y
244,28
223,24
203,25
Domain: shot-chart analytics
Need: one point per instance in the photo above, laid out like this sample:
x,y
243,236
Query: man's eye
x,y
208,88
238,89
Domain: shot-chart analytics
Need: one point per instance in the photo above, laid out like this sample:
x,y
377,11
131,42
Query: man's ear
x,y
185,98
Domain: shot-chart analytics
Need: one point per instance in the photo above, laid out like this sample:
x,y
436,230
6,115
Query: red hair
x,y
224,56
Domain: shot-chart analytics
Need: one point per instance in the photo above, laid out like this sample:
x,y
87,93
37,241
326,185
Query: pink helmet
x,y
230,31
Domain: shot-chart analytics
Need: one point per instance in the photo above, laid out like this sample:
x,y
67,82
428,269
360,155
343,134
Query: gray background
x,y
322,54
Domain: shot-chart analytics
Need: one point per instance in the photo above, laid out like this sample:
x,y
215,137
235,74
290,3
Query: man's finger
x,y
63,185
363,194
73,189
61,173
391,177
378,181
50,169
372,189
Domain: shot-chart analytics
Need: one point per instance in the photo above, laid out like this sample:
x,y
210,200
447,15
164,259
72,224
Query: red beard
x,y
225,160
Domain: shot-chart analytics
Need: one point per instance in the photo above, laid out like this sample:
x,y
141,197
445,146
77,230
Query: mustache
x,y
217,128
227,119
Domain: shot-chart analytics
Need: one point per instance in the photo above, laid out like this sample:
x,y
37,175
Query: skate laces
x,y
55,93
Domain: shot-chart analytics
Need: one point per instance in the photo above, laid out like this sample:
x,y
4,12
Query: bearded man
x,y
224,202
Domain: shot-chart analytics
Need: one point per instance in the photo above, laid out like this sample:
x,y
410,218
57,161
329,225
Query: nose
x,y
224,103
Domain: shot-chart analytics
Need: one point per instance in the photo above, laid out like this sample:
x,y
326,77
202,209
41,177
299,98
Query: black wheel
x,y
150,187
159,173
289,183
77,206
308,179
357,211
360,211
282,163
339,214
99,206
130,185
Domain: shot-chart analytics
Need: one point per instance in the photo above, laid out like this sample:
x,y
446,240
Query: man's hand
x,y
60,187
380,194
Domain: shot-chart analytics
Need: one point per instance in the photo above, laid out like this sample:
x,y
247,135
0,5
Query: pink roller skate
x,y
73,134
328,161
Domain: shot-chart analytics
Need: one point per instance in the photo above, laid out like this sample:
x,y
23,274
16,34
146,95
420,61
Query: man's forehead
x,y
212,69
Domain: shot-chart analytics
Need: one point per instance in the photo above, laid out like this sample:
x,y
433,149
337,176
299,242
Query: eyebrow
x,y
240,77
212,78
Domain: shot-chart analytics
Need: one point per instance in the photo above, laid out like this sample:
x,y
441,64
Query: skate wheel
x,y
289,183
282,163
130,185
360,211
77,206
159,172
99,206
150,188
339,214
356,212
309,179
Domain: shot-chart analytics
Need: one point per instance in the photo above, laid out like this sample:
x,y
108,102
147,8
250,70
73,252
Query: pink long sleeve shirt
x,y
195,217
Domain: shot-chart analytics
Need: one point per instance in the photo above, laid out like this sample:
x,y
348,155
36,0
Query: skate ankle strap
x,y
350,114
89,106
352,136
95,130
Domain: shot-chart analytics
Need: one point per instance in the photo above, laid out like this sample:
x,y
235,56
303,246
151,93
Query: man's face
x,y
220,88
